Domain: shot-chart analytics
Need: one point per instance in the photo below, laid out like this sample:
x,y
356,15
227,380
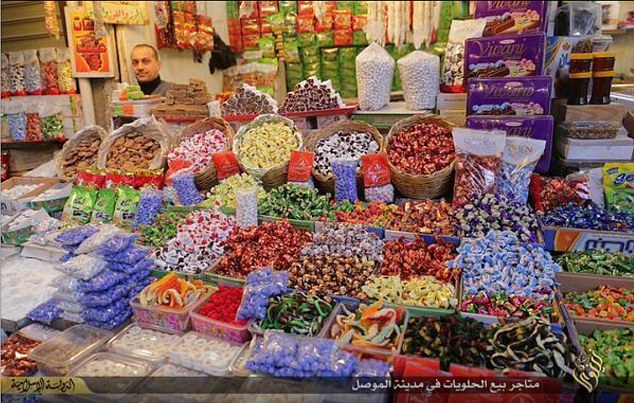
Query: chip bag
x,y
104,206
126,206
618,186
79,206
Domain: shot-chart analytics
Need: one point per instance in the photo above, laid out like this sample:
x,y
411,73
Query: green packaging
x,y
311,60
309,51
104,206
346,5
287,7
267,46
348,54
79,206
360,8
330,55
291,50
306,40
359,38
618,186
325,39
126,206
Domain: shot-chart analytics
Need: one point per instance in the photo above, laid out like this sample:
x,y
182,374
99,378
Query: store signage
x,y
90,56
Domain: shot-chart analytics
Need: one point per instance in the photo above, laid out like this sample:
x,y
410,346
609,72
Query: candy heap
x,y
185,100
165,228
197,149
605,302
409,259
260,286
173,292
598,262
345,239
225,192
373,214
312,95
590,217
198,242
421,149
294,202
15,351
223,305
498,266
497,213
271,244
550,193
614,348
249,100
425,291
345,145
266,145
368,326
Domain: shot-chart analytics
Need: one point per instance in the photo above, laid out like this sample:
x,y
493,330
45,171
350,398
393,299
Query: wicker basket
x,y
208,178
96,132
274,176
327,183
420,186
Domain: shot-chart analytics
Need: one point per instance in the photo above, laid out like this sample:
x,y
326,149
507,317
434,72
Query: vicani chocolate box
x,y
538,127
520,96
505,56
512,17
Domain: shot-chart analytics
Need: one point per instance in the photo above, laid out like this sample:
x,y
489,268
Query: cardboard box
x,y
619,148
56,201
457,117
18,234
27,159
445,101
573,113
9,206
45,253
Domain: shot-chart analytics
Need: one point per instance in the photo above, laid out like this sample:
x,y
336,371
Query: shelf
x,y
29,144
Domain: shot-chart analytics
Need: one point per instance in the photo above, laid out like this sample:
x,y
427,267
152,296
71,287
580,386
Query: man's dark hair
x,y
146,45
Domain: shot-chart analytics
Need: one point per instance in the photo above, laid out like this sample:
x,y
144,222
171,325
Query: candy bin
x,y
162,306
145,344
205,353
60,355
217,316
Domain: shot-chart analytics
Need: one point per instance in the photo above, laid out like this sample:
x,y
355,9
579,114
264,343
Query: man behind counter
x,y
147,66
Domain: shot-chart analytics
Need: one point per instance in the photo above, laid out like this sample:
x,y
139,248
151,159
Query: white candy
x,y
145,342
375,71
102,366
420,75
200,353
247,207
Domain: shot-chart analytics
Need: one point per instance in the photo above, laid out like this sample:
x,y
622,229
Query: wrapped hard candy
x,y
17,84
345,174
375,71
421,78
247,207
32,78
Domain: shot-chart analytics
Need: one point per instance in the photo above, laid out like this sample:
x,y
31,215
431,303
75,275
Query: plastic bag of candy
x,y
72,317
105,232
277,350
129,256
105,313
520,158
101,282
69,296
70,307
66,283
45,312
116,244
83,267
618,186
113,323
104,298
550,193
75,236
345,175
261,285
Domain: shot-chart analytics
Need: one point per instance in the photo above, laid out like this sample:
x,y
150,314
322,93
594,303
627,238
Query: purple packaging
x,y
520,96
505,56
538,127
512,17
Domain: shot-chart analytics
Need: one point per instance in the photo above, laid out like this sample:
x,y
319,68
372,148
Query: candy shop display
x,y
164,228
550,193
521,155
15,351
273,244
613,347
497,266
618,186
369,326
174,292
206,354
547,353
453,339
425,217
591,217
342,145
294,202
297,313
248,100
411,259
598,262
223,305
420,74
311,95
80,152
424,291
106,364
197,149
610,303
496,212
225,192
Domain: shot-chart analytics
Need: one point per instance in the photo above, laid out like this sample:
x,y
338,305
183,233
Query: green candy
x,y
598,262
295,202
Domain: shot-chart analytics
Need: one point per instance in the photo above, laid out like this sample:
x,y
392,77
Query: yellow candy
x,y
424,291
225,192
267,146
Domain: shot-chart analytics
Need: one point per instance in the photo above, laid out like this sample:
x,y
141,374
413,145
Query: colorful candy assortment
x,y
611,303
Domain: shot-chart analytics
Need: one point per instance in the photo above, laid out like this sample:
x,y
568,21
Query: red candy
x,y
422,149
224,305
14,352
550,193
408,259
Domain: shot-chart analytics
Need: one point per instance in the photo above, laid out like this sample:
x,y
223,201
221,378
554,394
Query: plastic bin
x,y
154,347
127,371
61,354
222,330
193,351
171,378
238,365
164,319
36,331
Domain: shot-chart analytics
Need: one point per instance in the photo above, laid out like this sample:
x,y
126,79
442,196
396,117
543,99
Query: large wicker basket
x,y
276,175
420,186
327,183
90,132
208,178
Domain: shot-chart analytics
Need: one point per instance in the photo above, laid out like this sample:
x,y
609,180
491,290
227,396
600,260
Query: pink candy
x,y
204,228
198,149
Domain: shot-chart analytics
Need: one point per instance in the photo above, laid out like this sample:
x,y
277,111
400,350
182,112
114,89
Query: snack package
x,y
453,75
376,178
33,124
518,162
300,168
52,122
618,186
478,163
226,165
344,172
65,72
16,74
420,78
375,71
508,56
4,80
32,78
79,206
126,207
511,17
104,206
550,193
48,61
517,96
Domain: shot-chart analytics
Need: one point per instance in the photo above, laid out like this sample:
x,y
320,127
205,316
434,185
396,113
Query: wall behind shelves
x,y
23,26
624,43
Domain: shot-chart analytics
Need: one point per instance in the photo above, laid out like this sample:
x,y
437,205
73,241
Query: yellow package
x,y
618,186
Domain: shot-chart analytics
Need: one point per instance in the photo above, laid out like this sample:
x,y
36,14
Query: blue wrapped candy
x,y
45,313
345,175
101,282
129,256
186,189
591,217
149,207
75,236
259,287
116,244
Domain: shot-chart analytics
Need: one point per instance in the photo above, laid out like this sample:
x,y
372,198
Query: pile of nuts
x,y
273,244
132,151
408,259
81,156
421,149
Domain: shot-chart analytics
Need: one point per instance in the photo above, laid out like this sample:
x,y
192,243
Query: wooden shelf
x,y
28,144
614,32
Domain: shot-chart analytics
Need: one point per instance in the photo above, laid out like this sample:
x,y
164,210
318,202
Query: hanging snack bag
x,y
65,72
32,77
518,162
126,206
79,206
51,121
375,71
376,178
618,186
478,163
16,74
33,125
453,75
104,206
48,59
300,168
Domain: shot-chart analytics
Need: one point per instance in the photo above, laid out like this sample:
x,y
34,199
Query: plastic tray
x,y
112,365
164,319
166,373
593,130
36,331
155,346
216,328
194,344
238,365
60,355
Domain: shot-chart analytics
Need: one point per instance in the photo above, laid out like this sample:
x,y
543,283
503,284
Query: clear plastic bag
x,y
420,76
65,72
69,296
75,236
184,184
148,208
48,60
32,77
100,236
478,163
345,175
52,121
313,356
520,158
115,322
17,125
97,299
33,125
70,307
453,74
72,317
278,350
45,313
246,207
4,80
66,283
116,244
106,313
261,285
101,282
375,71
16,73
83,267
129,256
